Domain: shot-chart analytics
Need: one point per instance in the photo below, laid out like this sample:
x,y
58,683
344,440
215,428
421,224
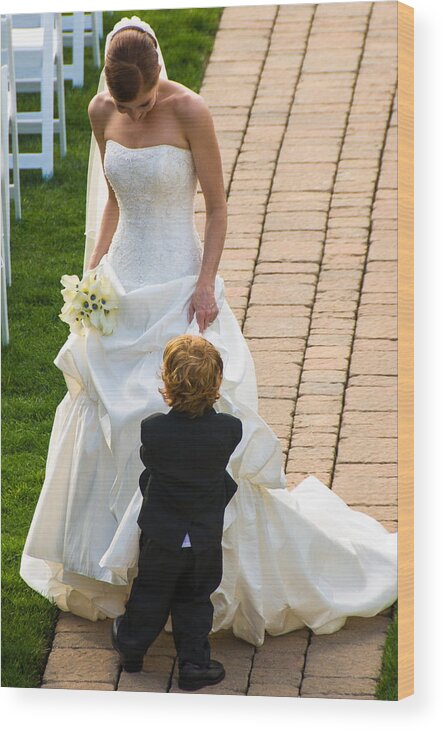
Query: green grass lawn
x,y
387,687
47,243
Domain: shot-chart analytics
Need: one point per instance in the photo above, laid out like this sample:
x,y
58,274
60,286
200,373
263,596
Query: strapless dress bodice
x,y
156,239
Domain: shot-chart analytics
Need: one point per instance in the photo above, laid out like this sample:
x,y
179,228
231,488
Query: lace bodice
x,y
156,239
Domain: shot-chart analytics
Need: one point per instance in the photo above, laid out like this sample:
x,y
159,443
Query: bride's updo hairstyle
x,y
192,373
131,63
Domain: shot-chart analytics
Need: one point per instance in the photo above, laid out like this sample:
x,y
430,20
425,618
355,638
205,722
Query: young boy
x,y
185,490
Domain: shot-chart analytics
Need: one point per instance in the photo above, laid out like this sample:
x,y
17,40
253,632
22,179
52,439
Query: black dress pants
x,y
176,582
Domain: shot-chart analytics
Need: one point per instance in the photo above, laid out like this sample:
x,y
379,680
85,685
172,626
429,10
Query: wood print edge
x,y
405,31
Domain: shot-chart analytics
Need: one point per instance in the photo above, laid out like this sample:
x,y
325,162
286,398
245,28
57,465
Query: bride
x,y
291,558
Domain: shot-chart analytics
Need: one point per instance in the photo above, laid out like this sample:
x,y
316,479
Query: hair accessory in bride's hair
x,y
133,22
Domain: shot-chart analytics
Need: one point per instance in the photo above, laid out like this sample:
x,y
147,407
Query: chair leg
x,y
95,30
4,186
60,88
16,166
78,49
61,109
99,21
47,107
4,302
13,118
6,229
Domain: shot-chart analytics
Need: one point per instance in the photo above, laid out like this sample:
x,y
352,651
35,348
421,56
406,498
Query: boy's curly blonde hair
x,y
192,373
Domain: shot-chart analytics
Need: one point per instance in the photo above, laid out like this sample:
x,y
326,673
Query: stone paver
x,y
308,132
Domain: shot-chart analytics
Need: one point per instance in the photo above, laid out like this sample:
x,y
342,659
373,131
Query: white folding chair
x,y
38,55
7,59
99,21
80,30
73,27
3,294
93,33
4,304
4,185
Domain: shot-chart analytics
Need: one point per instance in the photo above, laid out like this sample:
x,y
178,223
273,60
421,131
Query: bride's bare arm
x,y
201,135
98,117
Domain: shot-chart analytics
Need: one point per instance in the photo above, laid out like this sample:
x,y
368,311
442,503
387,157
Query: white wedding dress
x,y
291,558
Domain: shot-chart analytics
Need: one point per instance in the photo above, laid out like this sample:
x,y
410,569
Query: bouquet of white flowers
x,y
91,302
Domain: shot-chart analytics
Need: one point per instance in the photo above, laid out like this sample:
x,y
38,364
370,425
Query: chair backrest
x,y
29,61
27,20
4,110
5,43
4,138
4,157
68,21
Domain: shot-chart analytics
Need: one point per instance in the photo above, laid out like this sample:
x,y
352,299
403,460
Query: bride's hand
x,y
203,305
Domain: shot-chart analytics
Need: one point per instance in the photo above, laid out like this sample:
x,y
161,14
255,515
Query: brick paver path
x,y
304,102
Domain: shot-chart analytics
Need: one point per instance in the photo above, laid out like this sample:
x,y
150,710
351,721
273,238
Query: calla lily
x,y
77,328
70,282
109,321
96,319
71,317
108,297
78,302
69,294
67,307
67,317
89,303
91,282
87,321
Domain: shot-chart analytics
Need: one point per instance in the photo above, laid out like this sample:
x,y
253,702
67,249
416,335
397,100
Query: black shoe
x,y
192,676
131,662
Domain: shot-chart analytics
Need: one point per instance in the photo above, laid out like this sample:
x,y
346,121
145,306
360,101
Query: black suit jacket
x,y
185,484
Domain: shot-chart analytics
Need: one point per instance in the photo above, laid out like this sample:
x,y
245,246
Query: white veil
x,y
96,188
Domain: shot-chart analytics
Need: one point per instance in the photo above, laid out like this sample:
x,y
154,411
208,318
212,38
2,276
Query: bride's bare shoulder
x,y
186,102
101,107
